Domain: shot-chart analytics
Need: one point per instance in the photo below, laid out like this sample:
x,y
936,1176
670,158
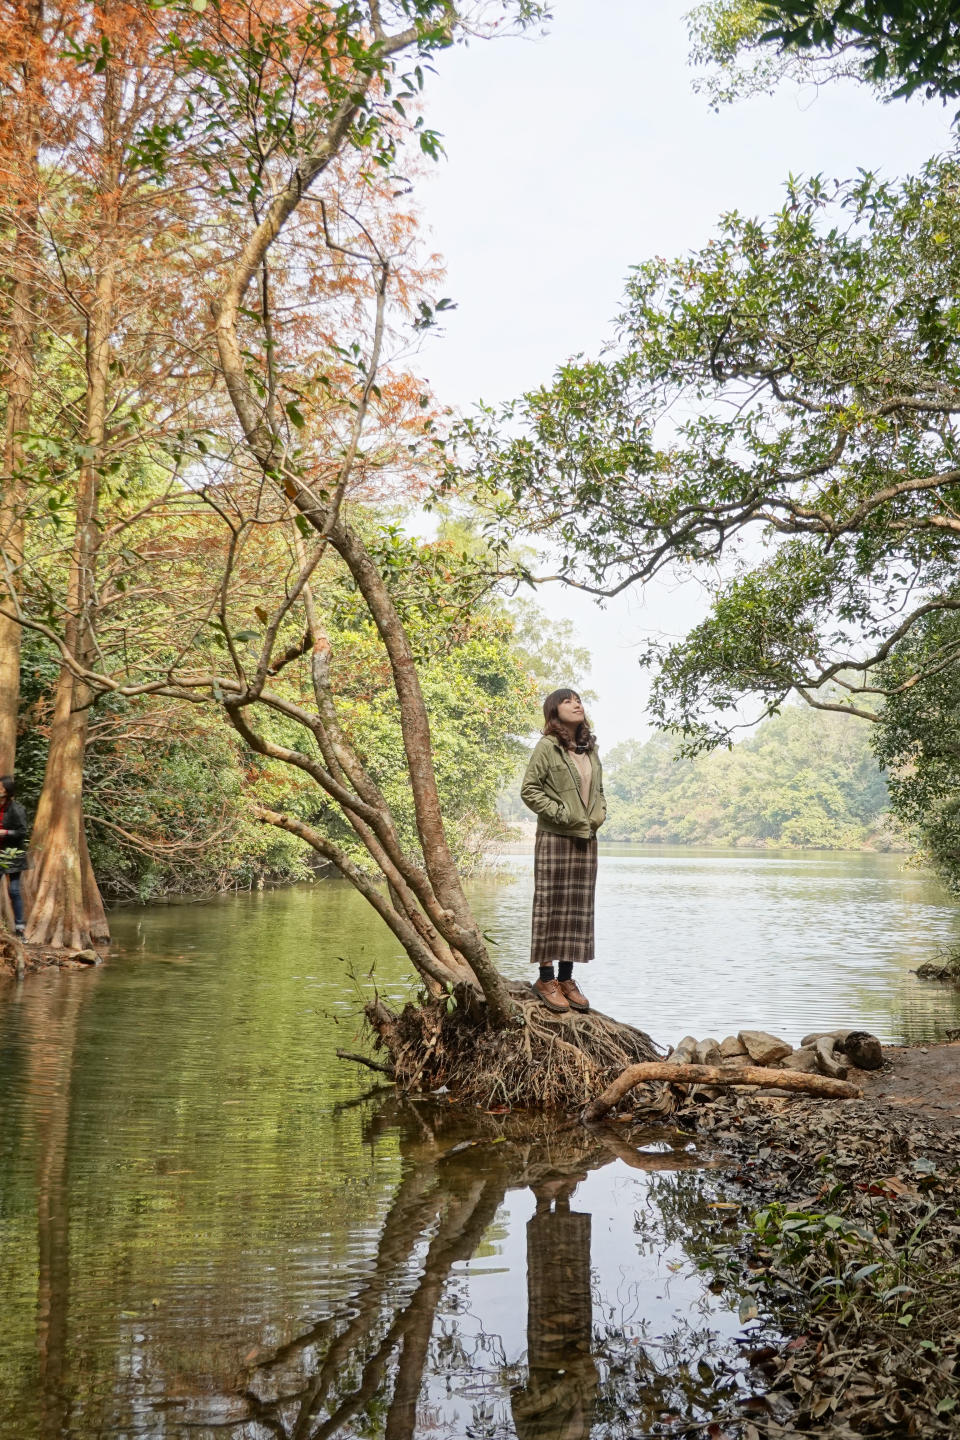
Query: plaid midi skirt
x,y
564,881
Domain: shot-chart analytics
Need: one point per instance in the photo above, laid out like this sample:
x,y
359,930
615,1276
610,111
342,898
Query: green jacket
x,y
551,789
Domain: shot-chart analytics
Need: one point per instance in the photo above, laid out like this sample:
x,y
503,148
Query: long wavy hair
x,y
584,740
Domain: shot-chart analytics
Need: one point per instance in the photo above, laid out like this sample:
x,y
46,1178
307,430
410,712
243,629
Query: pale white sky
x,y
572,157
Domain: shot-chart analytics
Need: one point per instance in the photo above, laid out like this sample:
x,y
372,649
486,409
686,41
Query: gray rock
x,y
87,957
816,1035
731,1046
804,1060
762,1048
685,1053
863,1050
860,1047
708,1052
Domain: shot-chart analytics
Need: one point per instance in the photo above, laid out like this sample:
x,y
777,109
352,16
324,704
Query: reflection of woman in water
x,y
558,1399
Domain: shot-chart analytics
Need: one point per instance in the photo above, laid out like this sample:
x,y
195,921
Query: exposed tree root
x,y
18,960
546,1062
365,1060
12,957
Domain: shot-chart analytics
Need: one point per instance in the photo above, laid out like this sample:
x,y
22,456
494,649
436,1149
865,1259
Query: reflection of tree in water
x,y
683,1373
47,1041
674,1211
362,1372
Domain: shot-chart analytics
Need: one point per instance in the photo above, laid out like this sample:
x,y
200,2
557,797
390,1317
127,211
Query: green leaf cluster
x,y
912,44
918,740
168,790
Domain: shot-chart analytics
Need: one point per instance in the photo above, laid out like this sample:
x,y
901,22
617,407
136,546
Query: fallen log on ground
x,y
719,1076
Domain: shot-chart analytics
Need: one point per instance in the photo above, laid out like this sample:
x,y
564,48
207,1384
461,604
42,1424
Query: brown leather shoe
x,y
573,995
549,993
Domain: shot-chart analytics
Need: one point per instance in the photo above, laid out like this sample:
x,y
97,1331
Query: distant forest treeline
x,y
806,778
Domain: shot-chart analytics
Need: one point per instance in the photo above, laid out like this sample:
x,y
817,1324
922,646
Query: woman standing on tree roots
x,y
13,840
563,786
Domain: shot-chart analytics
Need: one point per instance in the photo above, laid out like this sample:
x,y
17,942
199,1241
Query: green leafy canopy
x,y
780,404
898,47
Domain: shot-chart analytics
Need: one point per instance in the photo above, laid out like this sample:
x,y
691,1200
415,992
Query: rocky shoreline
x,y
824,1052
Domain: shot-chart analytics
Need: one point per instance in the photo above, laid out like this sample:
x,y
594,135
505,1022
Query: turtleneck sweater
x,y
585,772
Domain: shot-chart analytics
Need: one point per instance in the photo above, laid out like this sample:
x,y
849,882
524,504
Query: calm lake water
x,y
209,1227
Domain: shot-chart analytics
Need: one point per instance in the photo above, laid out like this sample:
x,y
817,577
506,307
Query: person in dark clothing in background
x,y
13,847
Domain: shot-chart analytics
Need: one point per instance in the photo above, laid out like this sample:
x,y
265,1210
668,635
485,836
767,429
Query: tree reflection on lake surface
x,y
503,1290
207,1229
411,1353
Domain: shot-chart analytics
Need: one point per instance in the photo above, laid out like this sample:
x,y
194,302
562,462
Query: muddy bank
x,y
920,1078
18,960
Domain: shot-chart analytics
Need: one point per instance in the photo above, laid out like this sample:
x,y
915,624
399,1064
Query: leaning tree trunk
x,y
459,927
411,894
445,908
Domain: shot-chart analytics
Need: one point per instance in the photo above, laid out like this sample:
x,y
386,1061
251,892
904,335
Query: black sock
x,y
565,970
546,972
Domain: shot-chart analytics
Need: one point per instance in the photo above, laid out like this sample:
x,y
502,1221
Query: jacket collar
x,y
563,751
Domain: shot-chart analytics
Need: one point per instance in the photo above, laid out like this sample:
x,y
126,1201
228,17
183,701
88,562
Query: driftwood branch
x,y
365,1060
717,1075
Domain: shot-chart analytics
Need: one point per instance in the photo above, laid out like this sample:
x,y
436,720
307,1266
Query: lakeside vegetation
x,y
229,651
168,789
233,655
806,779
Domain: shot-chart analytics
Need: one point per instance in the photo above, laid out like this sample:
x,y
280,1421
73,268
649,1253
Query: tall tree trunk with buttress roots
x,y
65,903
18,381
